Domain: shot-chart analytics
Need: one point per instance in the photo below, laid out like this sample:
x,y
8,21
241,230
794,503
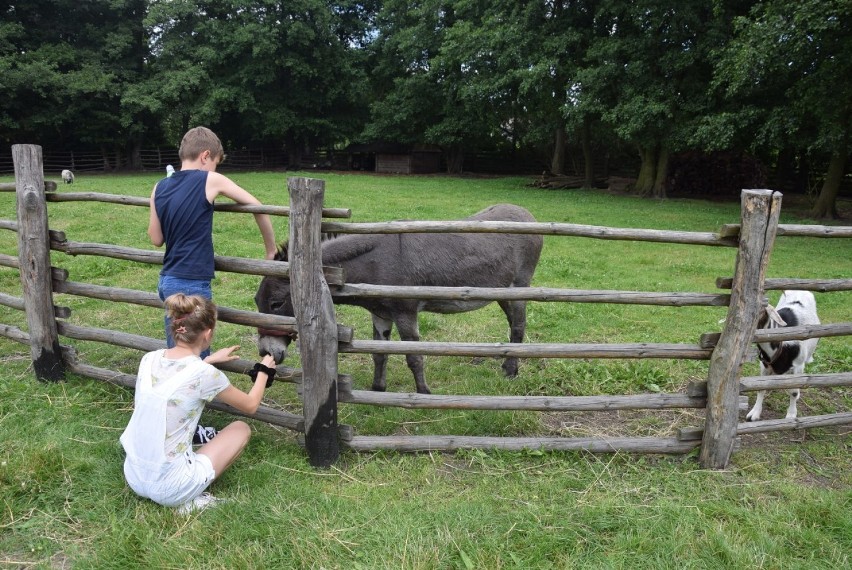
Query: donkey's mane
x,y
283,254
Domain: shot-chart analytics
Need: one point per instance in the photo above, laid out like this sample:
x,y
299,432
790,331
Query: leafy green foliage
x,y
787,58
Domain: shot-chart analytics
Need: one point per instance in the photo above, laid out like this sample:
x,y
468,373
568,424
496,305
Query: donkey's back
x,y
443,259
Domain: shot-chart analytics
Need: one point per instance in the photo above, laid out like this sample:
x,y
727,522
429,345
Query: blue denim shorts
x,y
169,285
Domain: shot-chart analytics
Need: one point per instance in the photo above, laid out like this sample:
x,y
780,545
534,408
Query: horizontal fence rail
x,y
555,229
795,230
264,267
526,403
779,284
709,340
532,294
424,443
528,350
147,344
780,382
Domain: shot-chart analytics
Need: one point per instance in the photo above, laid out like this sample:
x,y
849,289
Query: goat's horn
x,y
773,314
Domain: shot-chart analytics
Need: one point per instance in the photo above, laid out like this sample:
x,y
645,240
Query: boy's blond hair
x,y
196,141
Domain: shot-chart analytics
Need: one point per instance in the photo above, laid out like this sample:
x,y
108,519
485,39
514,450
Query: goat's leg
x,y
792,412
381,331
409,330
798,368
755,412
516,313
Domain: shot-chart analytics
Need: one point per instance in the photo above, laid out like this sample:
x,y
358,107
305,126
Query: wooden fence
x,y
151,159
322,338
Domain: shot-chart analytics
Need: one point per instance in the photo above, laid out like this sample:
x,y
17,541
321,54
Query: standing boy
x,y
182,218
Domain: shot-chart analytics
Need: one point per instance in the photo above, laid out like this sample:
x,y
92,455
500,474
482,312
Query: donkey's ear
x,y
282,252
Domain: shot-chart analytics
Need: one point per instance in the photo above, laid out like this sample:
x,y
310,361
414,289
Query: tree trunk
x,y
659,190
803,173
105,155
134,153
647,171
557,162
826,204
588,159
455,160
785,170
294,157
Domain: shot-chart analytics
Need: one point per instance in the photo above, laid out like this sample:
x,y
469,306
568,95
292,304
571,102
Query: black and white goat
x,y
68,176
795,308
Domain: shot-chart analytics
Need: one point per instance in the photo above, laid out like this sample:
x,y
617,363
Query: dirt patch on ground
x,y
621,423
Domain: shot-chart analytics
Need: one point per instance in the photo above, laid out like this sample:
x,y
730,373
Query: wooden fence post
x,y
760,212
34,257
315,320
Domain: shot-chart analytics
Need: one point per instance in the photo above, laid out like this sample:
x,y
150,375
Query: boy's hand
x,y
223,355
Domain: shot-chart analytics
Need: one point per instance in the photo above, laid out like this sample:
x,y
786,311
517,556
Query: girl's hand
x,y
223,355
268,361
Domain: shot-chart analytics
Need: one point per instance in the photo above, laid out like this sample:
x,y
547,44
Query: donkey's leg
x,y
516,313
381,331
409,330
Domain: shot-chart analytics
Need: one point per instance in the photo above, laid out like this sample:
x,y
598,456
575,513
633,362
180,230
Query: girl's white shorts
x,y
185,478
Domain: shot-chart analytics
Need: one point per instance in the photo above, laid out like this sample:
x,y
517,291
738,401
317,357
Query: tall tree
x,y
789,67
522,59
258,71
420,80
648,74
63,68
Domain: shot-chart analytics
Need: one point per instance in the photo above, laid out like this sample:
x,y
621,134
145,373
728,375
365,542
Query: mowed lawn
x,y
784,502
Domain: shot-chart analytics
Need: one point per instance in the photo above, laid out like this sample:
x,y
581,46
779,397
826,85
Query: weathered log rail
x,y
529,350
542,294
321,387
779,284
553,229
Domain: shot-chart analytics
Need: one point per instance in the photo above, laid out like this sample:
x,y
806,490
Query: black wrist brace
x,y
270,373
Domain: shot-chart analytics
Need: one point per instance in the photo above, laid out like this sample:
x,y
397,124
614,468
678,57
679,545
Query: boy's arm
x,y
219,185
155,231
264,223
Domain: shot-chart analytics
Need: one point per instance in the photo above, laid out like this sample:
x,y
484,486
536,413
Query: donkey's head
x,y
273,297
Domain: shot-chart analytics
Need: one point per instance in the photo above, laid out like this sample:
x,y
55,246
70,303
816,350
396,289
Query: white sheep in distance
x,y
169,170
68,176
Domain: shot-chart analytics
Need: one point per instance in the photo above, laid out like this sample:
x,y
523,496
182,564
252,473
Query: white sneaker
x,y
203,435
199,503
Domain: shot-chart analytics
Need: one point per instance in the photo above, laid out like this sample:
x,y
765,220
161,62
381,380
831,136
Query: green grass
x,y
783,503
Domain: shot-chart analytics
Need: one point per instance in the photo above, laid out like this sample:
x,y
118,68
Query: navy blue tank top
x,y
186,218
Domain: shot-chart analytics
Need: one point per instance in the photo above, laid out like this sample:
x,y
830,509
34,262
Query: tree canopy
x,y
765,78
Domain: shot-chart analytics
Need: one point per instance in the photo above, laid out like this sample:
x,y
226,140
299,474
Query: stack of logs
x,y
692,173
561,181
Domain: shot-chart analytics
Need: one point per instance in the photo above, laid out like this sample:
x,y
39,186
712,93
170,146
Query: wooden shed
x,y
396,159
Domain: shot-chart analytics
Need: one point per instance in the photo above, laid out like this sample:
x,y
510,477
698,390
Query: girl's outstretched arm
x,y
247,402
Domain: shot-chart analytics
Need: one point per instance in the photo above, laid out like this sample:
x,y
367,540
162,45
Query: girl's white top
x,y
170,396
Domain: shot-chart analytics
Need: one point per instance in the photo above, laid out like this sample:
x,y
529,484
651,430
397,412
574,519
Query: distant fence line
x,y
322,387
269,158
154,159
